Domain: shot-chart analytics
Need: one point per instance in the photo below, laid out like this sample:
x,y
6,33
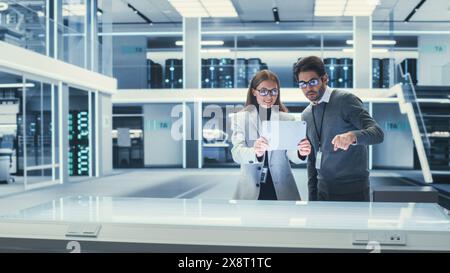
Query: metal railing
x,y
409,105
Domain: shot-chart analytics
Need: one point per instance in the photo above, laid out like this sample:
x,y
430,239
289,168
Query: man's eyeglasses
x,y
265,92
312,83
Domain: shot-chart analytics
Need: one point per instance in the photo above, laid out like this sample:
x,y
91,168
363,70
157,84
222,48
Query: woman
x,y
263,103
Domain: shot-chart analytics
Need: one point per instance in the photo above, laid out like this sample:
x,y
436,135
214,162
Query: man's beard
x,y
320,95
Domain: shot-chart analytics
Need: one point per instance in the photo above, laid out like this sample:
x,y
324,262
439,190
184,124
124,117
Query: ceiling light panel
x,y
360,7
219,8
329,7
204,8
345,7
74,10
3,6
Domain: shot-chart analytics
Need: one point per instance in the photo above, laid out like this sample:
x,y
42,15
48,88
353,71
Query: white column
x,y
63,120
91,25
58,45
106,47
192,79
362,56
191,52
104,132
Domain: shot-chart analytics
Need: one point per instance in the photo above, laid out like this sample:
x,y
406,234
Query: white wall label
x,y
154,125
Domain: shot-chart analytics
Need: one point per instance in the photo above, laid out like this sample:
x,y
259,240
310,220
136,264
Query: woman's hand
x,y
304,148
261,146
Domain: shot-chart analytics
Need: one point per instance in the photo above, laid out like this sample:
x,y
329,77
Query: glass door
x,y
40,134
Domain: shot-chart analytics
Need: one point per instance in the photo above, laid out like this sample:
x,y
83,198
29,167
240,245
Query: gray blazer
x,y
245,126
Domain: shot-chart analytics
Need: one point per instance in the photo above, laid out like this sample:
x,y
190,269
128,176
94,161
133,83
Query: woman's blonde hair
x,y
263,75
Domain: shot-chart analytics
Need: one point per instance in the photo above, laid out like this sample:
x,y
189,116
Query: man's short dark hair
x,y
311,63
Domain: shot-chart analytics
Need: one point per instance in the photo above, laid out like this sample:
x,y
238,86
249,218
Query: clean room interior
x,y
106,105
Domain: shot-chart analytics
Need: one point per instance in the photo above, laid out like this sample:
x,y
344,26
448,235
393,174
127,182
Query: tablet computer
x,y
283,135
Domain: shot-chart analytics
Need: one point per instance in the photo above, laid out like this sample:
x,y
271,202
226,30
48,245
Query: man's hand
x,y
261,146
343,141
304,148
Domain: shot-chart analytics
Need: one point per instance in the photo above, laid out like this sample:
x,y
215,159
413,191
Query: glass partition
x,y
410,96
11,136
165,62
242,55
39,138
216,134
63,34
23,24
128,137
148,62
72,48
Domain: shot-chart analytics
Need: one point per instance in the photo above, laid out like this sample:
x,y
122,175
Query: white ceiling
x,y
160,11
435,10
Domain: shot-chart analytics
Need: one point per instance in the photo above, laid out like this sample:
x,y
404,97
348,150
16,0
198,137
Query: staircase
x,y
428,112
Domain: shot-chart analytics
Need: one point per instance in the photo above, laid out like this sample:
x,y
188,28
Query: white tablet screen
x,y
283,135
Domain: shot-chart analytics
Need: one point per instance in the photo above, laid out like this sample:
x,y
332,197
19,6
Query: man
x,y
339,130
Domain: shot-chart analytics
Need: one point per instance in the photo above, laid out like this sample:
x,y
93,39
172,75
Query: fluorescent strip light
x,y
206,43
373,50
74,10
376,42
16,85
4,6
204,8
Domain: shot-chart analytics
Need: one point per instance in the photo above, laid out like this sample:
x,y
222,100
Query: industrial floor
x,y
162,183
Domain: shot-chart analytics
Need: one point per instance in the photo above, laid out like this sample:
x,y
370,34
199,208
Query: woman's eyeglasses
x,y
265,92
311,83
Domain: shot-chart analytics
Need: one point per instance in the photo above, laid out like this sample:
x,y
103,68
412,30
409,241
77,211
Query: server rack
x,y
331,65
345,73
173,73
376,73
386,72
154,74
264,66
294,80
226,73
210,73
241,73
410,66
78,143
253,66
